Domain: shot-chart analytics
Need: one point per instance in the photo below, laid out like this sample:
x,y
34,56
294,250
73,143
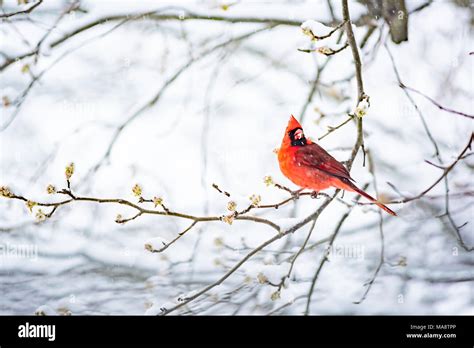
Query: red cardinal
x,y
308,165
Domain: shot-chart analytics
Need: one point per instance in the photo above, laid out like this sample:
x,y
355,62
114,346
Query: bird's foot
x,y
314,194
296,193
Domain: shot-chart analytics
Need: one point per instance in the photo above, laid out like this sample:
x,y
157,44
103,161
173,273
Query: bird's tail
x,y
372,199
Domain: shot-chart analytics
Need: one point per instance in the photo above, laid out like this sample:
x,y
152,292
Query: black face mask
x,y
297,138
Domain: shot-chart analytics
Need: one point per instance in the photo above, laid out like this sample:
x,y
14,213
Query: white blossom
x,y
361,109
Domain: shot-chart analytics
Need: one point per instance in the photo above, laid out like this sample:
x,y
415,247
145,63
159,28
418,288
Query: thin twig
x,y
325,256
278,236
446,171
441,107
27,11
358,73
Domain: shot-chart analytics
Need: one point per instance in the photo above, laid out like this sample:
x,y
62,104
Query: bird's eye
x,y
299,134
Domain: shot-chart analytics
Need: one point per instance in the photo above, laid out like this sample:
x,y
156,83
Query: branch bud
x,y
228,219
137,190
262,279
50,189
69,170
157,201
231,206
268,180
276,295
362,107
30,205
40,215
255,199
119,219
5,192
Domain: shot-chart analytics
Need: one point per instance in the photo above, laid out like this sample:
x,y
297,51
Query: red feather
x,y
315,157
308,165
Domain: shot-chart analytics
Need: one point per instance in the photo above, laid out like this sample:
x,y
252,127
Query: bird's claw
x,y
296,193
314,194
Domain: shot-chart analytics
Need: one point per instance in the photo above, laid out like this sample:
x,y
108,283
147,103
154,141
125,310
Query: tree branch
x,y
27,11
358,73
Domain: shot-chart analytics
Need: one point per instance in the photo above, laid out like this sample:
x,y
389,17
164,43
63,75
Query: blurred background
x,y
178,96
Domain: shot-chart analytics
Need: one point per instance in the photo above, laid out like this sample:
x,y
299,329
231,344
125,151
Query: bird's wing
x,y
315,157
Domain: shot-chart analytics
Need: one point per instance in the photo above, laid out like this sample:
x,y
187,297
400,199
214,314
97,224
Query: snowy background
x,y
92,100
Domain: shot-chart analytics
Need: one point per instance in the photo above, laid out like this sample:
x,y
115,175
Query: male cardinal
x,y
308,165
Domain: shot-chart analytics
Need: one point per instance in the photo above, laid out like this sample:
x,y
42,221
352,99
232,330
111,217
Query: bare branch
x,y
26,11
437,181
441,107
360,84
280,235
